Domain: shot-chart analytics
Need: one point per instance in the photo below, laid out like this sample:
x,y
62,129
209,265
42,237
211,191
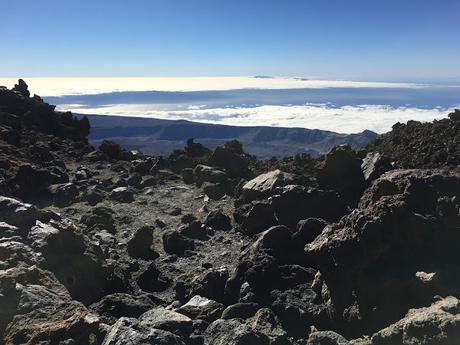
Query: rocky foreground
x,y
216,247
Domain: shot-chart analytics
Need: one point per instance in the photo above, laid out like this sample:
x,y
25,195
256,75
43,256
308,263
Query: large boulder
x,y
438,324
77,264
167,320
341,171
140,244
233,332
264,185
114,306
230,157
404,235
205,173
129,331
203,308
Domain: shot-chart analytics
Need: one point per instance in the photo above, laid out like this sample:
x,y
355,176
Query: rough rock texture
x,y
422,145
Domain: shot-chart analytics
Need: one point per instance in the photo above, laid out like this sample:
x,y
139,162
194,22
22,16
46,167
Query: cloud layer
x,y
91,86
345,119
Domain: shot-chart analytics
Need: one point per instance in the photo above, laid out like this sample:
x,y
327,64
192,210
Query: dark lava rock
x,y
140,244
255,217
264,185
233,332
111,307
294,203
230,158
64,194
205,173
341,171
175,243
437,324
374,165
240,311
167,320
114,151
32,180
122,194
99,217
129,331
217,220
194,230
326,338
201,308
406,223
422,145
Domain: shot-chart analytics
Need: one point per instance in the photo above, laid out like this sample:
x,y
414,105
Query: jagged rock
x,y
266,322
7,230
64,194
112,307
19,214
129,331
175,243
41,311
210,284
217,220
194,230
32,180
150,279
294,203
99,217
114,151
167,320
140,244
122,194
233,332
215,191
422,144
199,307
406,221
93,195
229,157
134,180
326,338
240,311
341,171
374,165
78,267
300,307
437,324
204,173
264,185
307,230
255,217
22,88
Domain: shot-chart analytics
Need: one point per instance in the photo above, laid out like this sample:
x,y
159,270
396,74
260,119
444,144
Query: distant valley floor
x,y
161,137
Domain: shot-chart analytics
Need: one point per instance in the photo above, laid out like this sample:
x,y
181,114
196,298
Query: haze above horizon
x,y
407,41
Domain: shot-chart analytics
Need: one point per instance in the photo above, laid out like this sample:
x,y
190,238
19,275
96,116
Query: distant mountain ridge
x,y
156,136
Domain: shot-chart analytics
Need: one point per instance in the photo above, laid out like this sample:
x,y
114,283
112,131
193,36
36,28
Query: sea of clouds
x,y
340,106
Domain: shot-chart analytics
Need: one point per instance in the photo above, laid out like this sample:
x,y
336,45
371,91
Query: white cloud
x,y
346,119
88,86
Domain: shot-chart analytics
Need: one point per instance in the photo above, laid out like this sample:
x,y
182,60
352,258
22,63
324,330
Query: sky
x,y
391,40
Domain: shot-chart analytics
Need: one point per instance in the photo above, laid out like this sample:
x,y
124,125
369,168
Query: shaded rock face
x,y
437,324
377,262
341,171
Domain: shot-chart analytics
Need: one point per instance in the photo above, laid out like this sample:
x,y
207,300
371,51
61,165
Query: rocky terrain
x,y
208,247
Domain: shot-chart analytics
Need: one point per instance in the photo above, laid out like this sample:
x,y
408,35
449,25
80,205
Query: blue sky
x,y
411,40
